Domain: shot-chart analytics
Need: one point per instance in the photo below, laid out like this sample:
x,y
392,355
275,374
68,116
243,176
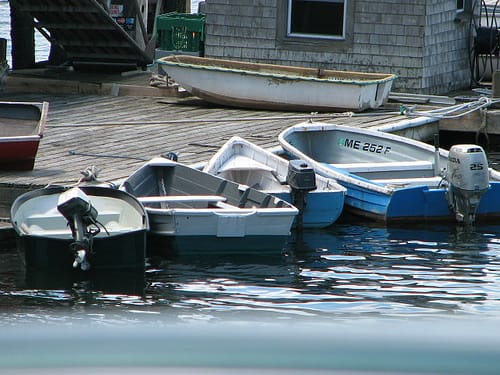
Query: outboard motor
x,y
301,178
468,179
75,206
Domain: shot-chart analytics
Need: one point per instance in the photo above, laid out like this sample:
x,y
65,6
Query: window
x,y
317,18
460,5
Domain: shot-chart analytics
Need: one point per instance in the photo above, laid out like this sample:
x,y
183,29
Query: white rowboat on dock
x,y
267,86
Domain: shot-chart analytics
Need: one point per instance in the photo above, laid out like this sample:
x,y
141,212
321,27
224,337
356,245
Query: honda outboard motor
x,y
75,206
301,178
468,179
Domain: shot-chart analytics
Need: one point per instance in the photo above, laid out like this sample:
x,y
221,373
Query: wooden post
x,y
495,92
22,35
3,52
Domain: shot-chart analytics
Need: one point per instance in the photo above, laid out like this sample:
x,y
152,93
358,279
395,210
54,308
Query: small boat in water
x,y
195,210
319,199
82,228
21,128
395,179
268,86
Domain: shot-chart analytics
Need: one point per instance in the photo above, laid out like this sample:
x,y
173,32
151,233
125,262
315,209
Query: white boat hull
x,y
265,86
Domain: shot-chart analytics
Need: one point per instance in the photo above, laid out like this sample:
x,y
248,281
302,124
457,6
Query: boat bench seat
x,y
386,166
55,223
226,206
36,230
209,199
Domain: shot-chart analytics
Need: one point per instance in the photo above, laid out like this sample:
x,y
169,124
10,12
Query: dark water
x,y
348,270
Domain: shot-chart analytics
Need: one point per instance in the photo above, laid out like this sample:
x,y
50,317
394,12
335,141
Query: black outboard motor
x,y
302,179
75,206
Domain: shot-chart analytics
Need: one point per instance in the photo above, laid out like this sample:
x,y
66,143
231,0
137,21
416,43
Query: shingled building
x,y
425,42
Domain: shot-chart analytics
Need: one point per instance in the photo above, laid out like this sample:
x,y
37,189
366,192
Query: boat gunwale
x,y
38,129
275,211
329,75
91,190
21,138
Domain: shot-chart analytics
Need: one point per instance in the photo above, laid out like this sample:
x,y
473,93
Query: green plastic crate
x,y
181,31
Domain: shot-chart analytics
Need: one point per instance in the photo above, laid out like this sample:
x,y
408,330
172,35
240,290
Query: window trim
x,y
289,33
293,43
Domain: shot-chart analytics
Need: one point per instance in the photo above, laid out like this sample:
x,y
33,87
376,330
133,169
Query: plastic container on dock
x,y
183,32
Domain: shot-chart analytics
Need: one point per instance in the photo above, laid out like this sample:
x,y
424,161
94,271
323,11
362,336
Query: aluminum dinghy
x,y
196,211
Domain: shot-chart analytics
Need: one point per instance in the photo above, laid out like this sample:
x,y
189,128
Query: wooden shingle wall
x,y
422,41
446,48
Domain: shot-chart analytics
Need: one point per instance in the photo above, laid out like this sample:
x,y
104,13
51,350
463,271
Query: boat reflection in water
x,y
392,288
348,268
347,271
123,282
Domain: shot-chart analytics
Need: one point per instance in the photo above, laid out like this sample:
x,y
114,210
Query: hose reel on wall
x,y
484,41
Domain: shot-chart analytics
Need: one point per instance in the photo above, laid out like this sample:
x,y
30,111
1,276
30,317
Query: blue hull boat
x,y
396,179
246,163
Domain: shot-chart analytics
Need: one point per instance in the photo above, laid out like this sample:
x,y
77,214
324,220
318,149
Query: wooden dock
x,y
117,131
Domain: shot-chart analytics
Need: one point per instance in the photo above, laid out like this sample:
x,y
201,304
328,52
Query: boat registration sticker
x,y
356,144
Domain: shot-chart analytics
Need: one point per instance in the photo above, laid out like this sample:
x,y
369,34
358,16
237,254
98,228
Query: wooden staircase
x,y
92,35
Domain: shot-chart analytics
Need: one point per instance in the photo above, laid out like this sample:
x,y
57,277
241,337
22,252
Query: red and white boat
x,y
21,128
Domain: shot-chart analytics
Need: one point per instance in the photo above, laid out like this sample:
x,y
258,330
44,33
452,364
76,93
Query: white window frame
x,y
461,9
317,36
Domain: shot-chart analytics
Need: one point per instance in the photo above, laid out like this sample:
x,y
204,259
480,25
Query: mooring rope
x,y
455,111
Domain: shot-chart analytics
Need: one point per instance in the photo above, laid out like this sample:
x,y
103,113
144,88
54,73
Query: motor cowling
x,y
78,211
301,178
467,174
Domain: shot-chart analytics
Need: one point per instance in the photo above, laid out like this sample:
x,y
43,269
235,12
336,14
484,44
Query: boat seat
x,y
410,165
36,230
183,199
243,163
225,206
56,222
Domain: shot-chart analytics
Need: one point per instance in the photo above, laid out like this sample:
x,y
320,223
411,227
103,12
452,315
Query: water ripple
x,y
345,270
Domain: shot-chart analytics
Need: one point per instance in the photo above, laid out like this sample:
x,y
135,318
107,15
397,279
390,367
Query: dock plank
x,y
118,133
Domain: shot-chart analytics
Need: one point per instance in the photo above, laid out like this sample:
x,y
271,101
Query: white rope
x,y
455,111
